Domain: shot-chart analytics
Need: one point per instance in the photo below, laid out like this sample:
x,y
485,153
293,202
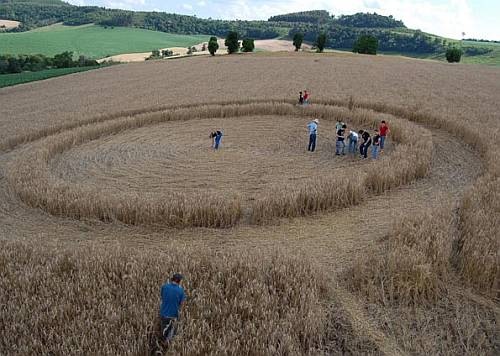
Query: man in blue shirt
x,y
313,131
172,299
217,137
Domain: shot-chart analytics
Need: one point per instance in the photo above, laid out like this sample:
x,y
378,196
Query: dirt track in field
x,y
9,24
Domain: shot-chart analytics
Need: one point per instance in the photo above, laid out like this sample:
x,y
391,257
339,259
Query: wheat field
x,y
108,185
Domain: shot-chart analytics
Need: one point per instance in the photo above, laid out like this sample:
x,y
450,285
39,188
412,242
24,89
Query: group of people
x,y
363,137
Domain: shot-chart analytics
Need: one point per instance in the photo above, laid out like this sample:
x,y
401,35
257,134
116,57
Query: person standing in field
x,y
301,99
340,146
352,140
338,125
375,144
172,300
367,141
306,97
313,132
383,131
217,137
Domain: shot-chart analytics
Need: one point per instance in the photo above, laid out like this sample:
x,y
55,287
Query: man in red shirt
x,y
306,97
383,132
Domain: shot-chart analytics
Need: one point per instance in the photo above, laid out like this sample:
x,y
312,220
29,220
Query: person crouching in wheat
x,y
217,137
172,300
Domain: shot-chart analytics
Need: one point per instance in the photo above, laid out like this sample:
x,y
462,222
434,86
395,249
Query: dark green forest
x,y
341,31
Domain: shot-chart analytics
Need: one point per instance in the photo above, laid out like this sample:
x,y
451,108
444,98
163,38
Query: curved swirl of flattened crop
x,y
38,187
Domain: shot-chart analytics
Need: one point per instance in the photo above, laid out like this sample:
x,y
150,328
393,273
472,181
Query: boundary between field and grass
x,y
7,80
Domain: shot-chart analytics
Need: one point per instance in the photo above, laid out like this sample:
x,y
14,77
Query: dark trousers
x,y
363,149
168,326
312,143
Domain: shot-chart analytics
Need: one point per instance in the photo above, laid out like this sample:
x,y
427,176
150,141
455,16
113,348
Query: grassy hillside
x,y
92,41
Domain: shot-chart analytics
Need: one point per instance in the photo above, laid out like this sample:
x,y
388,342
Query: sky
x,y
448,18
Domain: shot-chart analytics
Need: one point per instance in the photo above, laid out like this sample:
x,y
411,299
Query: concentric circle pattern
x,y
257,153
159,167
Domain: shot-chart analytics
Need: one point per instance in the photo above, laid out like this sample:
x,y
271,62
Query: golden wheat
x,y
39,188
409,287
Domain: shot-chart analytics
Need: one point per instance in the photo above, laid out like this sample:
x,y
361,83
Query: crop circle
x,y
158,168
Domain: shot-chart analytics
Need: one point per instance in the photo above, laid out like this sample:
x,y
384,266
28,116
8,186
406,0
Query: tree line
x,y
390,41
341,32
34,63
322,17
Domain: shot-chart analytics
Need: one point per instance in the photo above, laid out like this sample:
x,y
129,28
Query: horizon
x,y
446,18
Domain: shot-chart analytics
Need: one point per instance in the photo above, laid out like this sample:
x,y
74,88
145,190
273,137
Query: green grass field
x,y
92,41
26,77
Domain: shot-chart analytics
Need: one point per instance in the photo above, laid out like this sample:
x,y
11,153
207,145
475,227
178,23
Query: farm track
x,y
333,240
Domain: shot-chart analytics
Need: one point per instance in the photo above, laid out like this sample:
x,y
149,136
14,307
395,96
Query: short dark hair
x,y
344,126
177,277
361,131
383,121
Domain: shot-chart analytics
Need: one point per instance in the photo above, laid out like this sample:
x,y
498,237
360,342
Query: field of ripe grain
x,y
108,185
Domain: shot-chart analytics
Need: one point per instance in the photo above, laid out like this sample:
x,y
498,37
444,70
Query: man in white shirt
x,y
313,131
353,141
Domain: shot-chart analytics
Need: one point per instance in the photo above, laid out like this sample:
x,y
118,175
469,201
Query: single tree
x,y
213,45
232,43
453,54
321,42
248,45
366,44
297,40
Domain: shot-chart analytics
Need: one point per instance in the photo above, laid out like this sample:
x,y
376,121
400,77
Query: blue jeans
x,y
353,146
382,142
312,143
375,151
217,143
363,149
339,148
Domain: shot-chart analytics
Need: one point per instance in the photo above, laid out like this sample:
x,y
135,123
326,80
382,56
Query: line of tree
x,y
367,20
38,62
341,32
32,15
322,17
480,40
314,16
390,41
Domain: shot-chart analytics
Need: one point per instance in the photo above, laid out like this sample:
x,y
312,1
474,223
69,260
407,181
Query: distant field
x,y
20,78
8,24
491,58
92,41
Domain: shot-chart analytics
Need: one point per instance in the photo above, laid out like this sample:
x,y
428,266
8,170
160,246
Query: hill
x,y
342,31
92,41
